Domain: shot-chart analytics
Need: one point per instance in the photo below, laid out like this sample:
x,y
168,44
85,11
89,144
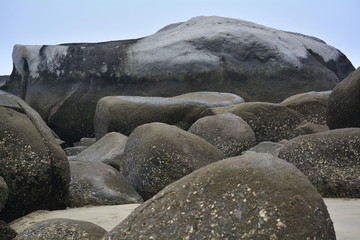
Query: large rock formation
x,y
64,82
343,109
254,196
33,165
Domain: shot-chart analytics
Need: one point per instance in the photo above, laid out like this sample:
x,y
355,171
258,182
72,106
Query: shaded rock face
x,y
6,232
228,132
3,81
33,165
343,108
330,160
108,149
64,82
124,113
253,196
60,228
157,154
95,183
270,122
311,105
4,191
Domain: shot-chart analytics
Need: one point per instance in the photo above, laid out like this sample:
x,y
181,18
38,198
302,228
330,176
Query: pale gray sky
x,y
41,22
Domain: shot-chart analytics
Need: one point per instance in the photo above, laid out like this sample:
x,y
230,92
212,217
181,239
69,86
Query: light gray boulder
x,y
107,149
64,82
95,183
73,151
158,154
267,147
329,159
228,132
124,113
253,196
60,228
87,142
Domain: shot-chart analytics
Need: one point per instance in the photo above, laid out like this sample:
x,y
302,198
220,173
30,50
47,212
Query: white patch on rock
x,y
181,46
30,55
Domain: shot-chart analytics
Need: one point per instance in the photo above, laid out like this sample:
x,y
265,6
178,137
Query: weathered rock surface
x,y
95,183
158,154
60,228
267,147
107,149
343,108
124,113
64,82
310,128
253,196
86,142
228,132
3,81
4,192
214,99
6,232
311,105
330,160
33,165
73,151
269,121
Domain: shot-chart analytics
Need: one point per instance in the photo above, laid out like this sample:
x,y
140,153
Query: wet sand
x,y
345,214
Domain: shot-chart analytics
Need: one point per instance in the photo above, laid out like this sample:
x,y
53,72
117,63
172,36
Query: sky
x,y
47,22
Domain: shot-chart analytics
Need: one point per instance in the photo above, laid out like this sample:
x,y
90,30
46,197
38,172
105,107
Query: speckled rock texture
x,y
107,149
269,121
33,165
4,191
61,228
202,54
95,183
310,128
253,196
267,147
228,132
330,160
311,106
158,154
6,232
343,109
124,113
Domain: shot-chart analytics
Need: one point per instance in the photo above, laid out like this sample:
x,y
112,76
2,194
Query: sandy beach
x,y
345,214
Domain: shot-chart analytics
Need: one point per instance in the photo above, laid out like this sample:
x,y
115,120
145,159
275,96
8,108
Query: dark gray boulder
x,y
4,192
311,105
64,82
33,165
228,132
330,160
124,113
343,109
61,228
95,183
269,121
3,82
158,154
6,232
108,149
253,196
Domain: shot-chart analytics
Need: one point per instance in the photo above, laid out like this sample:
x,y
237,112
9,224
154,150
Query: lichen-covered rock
x,y
64,82
343,109
60,228
4,191
95,183
311,105
107,149
6,232
124,113
253,196
269,121
330,160
33,165
228,132
158,154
